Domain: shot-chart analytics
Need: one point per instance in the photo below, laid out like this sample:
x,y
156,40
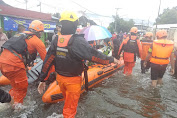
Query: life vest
x,y
67,64
145,48
130,49
18,46
161,51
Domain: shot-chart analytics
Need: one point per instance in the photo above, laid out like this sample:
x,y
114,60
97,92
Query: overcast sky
x,y
131,9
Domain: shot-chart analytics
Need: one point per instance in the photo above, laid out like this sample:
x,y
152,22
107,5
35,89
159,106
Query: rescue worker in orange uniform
x,y
146,44
159,54
132,48
12,63
67,53
124,36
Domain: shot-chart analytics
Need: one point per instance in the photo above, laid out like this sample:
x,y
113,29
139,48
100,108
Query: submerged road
x,y
116,97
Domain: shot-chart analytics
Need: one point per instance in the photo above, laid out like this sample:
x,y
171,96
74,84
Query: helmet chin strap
x,y
38,34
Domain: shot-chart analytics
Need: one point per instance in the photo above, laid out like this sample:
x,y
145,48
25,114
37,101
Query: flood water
x,y
116,97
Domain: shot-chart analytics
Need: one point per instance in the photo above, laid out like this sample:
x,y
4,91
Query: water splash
x,y
55,115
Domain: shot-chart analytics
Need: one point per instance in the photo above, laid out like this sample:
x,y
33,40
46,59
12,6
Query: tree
x,y
57,15
121,25
169,16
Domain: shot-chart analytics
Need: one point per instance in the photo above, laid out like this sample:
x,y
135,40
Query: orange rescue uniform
x,y
131,47
71,90
146,44
67,53
145,48
13,68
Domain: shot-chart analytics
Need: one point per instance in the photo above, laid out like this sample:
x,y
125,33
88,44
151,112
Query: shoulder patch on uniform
x,y
29,37
61,40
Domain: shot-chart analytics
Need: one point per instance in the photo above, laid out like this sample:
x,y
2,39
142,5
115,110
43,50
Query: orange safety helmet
x,y
161,33
37,26
134,30
148,34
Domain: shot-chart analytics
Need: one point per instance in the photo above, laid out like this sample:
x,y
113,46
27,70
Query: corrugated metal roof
x,y
17,12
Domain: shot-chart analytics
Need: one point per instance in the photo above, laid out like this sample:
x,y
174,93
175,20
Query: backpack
x,y
17,45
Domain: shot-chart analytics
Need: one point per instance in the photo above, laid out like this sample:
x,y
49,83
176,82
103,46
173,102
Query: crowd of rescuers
x,y
14,58
154,54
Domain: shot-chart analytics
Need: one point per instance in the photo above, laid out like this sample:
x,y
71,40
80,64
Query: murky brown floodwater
x,y
115,97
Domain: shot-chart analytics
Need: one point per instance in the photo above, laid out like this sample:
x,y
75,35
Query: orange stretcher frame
x,y
96,74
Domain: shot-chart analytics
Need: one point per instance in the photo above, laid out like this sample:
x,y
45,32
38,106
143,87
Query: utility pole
x,y
116,20
40,6
148,21
142,26
26,1
157,18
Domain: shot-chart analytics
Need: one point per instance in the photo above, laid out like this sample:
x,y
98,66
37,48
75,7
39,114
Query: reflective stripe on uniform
x,y
62,49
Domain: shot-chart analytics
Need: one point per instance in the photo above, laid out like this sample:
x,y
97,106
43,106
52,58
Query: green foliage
x,y
169,16
121,25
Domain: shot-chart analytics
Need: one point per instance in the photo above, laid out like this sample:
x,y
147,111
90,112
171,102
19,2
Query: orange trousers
x,y
128,67
18,81
71,90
